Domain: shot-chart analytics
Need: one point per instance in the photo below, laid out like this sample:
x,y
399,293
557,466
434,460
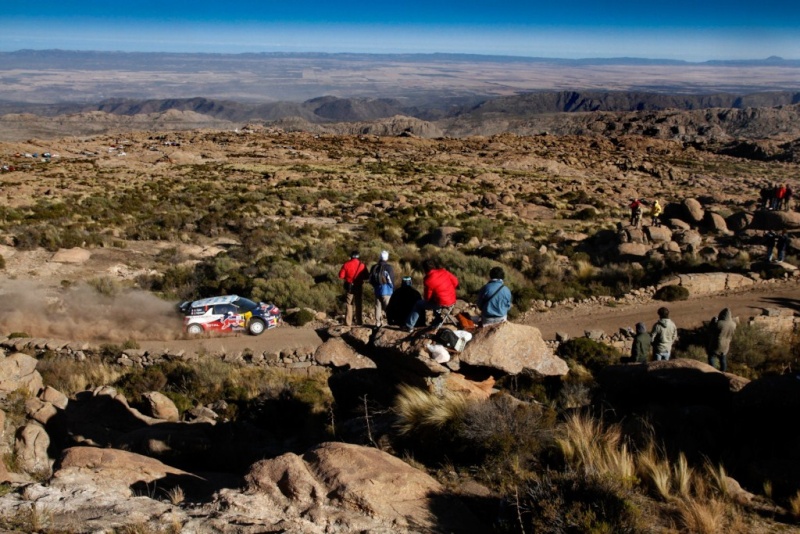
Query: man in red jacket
x,y
440,292
353,272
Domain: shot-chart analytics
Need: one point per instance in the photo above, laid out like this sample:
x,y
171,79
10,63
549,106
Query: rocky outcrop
x,y
18,371
513,349
707,283
110,469
337,353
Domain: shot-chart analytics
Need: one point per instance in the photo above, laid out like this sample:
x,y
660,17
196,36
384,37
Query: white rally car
x,y
229,313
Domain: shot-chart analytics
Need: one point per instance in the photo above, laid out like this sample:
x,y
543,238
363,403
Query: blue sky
x,y
693,30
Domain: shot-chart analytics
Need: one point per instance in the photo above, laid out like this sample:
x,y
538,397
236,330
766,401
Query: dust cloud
x,y
81,313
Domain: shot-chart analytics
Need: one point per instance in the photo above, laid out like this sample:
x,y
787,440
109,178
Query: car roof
x,y
211,301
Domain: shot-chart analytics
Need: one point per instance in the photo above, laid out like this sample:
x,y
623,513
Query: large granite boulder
x,y
381,485
658,234
513,348
739,221
18,371
672,382
110,469
706,283
775,220
30,448
693,211
337,353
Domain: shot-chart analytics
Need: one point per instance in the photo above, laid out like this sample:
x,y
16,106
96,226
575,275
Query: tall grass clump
x,y
596,450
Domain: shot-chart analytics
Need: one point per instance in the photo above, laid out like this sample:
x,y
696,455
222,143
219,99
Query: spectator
x,y
439,292
353,272
720,334
787,198
771,239
494,298
381,276
782,244
655,214
402,302
640,350
663,335
636,212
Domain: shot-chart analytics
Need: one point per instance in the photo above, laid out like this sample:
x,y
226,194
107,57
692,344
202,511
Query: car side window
x,y
222,309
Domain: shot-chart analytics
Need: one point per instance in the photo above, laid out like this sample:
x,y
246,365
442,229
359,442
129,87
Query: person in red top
x,y
440,292
353,272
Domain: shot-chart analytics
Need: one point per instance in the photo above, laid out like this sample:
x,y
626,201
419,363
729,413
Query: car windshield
x,y
245,304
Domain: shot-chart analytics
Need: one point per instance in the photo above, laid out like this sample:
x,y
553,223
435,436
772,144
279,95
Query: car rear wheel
x,y
256,327
194,329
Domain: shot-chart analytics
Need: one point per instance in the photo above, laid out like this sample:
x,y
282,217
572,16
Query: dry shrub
x,y
794,505
683,476
655,472
596,450
702,517
69,376
422,411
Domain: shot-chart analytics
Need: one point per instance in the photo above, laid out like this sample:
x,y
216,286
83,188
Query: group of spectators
x,y
664,333
406,307
776,197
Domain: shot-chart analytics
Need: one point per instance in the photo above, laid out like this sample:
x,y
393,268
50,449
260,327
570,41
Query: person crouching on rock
x,y
439,292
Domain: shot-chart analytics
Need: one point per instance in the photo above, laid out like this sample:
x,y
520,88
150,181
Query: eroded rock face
x,y
19,371
337,353
513,349
381,485
30,448
111,469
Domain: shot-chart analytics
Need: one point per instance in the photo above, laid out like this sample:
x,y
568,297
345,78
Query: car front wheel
x,y
194,329
256,327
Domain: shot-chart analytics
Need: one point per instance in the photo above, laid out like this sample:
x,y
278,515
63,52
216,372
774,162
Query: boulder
x,y
443,236
30,447
71,255
658,234
458,383
19,371
775,220
693,211
337,353
716,222
739,221
674,382
286,479
706,283
688,237
383,486
110,469
513,349
160,406
637,250
39,411
54,397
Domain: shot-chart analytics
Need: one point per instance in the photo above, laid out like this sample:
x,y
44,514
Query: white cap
x,y
385,255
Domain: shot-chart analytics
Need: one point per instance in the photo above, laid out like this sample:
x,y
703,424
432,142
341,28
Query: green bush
x,y
299,318
590,353
14,335
672,293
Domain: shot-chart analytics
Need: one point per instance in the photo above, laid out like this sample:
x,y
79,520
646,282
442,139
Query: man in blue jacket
x,y
381,276
494,299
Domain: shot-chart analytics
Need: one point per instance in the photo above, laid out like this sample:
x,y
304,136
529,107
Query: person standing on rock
x,y
771,239
494,298
381,277
720,334
636,213
353,272
663,335
787,197
655,214
439,292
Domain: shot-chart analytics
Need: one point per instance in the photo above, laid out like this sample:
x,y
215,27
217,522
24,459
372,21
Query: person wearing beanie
x,y
494,298
381,277
353,272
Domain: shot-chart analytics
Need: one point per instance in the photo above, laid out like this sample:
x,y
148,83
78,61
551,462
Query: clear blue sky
x,y
694,30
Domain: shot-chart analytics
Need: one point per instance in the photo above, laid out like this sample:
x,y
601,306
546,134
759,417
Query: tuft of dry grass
x,y
417,409
656,472
794,505
683,476
176,495
718,478
586,444
702,517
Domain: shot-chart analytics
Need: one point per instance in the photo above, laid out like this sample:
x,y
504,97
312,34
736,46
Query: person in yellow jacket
x,y
655,213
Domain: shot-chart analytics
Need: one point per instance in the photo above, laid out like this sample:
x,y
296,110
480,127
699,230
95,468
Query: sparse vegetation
x,y
672,293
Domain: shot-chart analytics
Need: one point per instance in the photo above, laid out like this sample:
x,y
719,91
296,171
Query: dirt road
x,y
686,314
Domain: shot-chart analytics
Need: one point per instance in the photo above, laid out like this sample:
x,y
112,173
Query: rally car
x,y
229,313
